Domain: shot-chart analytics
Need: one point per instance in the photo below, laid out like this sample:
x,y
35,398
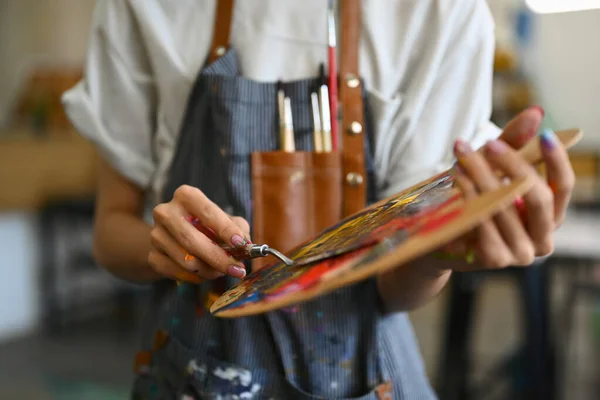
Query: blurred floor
x,y
94,361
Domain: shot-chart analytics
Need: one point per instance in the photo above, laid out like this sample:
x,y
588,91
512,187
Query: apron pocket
x,y
185,374
295,196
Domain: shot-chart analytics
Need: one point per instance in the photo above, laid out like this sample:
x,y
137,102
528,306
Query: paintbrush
x,y
317,131
333,97
281,112
325,112
288,136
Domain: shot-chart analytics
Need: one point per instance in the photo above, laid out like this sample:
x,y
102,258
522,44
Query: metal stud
x,y
355,128
220,51
297,176
354,179
352,81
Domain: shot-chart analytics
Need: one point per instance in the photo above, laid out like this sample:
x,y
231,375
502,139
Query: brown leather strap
x,y
222,27
352,123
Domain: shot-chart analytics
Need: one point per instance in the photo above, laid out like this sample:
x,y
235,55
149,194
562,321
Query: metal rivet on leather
x,y
297,176
354,179
355,128
352,81
220,51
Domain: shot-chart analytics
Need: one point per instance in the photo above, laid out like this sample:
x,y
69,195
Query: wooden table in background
x,y
35,170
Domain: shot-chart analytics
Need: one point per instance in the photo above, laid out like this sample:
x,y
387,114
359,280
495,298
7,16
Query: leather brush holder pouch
x,y
295,196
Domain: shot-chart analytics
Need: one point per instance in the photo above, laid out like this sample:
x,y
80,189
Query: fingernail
x,y
237,241
519,204
540,109
236,271
532,126
548,138
458,169
496,147
461,147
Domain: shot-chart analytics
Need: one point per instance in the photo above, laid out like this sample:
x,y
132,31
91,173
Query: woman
x,y
166,120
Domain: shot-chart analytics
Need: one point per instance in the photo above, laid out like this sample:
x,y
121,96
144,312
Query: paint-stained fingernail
x,y
237,241
540,109
236,271
462,148
496,146
548,139
519,204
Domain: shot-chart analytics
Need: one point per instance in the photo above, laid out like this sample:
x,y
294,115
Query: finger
x,y
560,174
162,240
210,215
504,240
242,224
523,127
460,246
538,201
195,242
489,246
166,267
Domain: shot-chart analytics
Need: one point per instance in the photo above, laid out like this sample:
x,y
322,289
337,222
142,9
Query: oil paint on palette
x,y
410,228
372,225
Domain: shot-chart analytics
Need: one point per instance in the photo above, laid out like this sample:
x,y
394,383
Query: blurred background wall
x,y
34,35
39,33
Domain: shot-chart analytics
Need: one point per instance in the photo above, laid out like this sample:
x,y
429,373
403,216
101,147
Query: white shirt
x,y
427,67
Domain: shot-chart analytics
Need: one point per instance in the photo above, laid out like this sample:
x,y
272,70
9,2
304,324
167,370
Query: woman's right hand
x,y
179,251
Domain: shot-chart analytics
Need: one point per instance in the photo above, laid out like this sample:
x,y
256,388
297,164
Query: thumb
x,y
523,127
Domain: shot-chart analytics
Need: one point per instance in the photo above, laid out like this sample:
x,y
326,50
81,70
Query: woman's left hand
x,y
517,234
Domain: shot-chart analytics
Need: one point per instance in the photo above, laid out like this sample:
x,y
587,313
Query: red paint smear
x,y
314,274
437,222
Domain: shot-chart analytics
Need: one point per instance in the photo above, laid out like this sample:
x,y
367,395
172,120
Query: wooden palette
x,y
385,235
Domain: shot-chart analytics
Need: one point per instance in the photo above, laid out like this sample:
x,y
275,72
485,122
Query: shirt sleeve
x,y
453,100
114,104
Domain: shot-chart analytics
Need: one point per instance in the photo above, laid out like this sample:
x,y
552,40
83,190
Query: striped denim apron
x,y
338,346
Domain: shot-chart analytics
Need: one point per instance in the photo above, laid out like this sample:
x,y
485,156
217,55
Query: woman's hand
x,y
181,252
514,237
